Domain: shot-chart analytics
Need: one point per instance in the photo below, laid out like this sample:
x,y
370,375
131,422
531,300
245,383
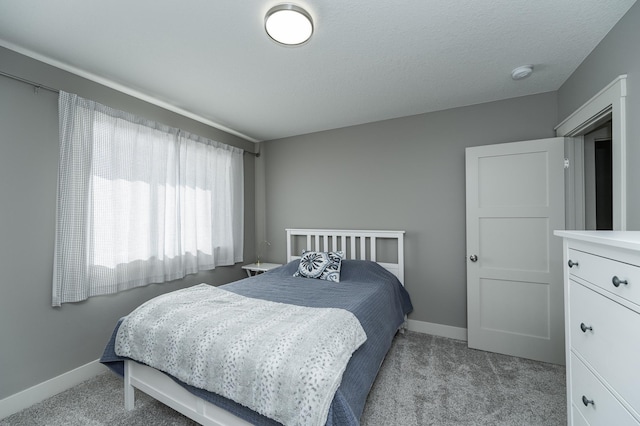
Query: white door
x,y
515,200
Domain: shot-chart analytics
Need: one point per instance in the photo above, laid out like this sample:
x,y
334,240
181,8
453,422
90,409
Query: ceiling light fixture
x,y
521,72
288,24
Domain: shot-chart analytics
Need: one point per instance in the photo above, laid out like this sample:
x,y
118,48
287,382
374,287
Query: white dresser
x,y
602,326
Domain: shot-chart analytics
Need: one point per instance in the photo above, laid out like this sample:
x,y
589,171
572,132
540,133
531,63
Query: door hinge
x,y
566,163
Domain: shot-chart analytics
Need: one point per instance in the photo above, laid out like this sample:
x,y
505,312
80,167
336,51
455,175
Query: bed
x,y
370,288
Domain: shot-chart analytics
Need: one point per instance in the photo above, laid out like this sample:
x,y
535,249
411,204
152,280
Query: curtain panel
x,y
140,202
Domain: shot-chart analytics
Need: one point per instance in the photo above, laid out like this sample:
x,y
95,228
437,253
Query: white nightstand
x,y
257,268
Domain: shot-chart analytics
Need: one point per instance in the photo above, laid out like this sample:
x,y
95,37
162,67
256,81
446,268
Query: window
x,y
140,202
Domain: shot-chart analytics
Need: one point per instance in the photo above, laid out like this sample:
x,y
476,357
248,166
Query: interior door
x,y
515,200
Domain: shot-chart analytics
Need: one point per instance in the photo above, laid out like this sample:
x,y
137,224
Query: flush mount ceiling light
x,y
288,24
521,72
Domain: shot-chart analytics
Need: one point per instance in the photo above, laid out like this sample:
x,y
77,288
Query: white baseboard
x,y
451,332
38,393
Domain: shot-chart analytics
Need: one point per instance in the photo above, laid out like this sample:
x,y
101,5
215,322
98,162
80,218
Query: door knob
x,y
473,258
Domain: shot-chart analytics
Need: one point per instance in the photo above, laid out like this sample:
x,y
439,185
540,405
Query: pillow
x,y
320,264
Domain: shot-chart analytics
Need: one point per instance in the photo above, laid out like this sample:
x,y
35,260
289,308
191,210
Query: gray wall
x,y
617,54
38,342
405,174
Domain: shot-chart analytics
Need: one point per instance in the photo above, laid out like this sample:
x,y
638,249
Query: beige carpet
x,y
425,380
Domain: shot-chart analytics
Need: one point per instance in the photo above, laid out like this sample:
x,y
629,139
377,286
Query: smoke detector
x,y
521,72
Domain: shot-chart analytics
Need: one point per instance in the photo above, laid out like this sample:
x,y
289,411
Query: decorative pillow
x,y
319,264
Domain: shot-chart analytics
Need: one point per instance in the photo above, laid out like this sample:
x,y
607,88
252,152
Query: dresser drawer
x,y
601,407
612,345
577,418
601,271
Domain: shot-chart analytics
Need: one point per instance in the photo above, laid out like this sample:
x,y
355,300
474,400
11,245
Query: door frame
x,y
609,103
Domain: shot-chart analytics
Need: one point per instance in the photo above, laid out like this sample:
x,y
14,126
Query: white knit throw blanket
x,y
283,361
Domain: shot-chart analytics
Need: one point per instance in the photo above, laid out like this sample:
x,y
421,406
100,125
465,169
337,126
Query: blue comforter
x,y
366,289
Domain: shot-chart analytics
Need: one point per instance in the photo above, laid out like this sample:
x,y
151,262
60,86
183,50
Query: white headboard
x,y
360,245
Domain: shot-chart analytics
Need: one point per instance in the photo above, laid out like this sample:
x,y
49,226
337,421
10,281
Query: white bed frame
x,y
356,244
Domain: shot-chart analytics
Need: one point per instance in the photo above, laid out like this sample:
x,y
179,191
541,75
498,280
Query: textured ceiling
x,y
368,60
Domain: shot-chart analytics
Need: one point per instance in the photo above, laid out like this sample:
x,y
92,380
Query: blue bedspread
x,y
369,291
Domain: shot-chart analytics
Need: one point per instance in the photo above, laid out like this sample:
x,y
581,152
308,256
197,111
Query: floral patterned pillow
x,y
321,265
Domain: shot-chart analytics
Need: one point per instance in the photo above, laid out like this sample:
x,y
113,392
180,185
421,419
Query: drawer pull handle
x,y
586,401
617,281
584,328
571,263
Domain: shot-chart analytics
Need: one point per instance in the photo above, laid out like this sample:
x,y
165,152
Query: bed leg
x,y
403,327
129,390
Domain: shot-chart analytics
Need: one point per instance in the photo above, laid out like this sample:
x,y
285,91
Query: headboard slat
x,y
353,248
372,249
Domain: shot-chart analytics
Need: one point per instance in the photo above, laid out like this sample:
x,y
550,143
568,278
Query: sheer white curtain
x,y
140,202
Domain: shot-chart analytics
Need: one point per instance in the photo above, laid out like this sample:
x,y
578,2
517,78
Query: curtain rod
x,y
37,86
256,154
